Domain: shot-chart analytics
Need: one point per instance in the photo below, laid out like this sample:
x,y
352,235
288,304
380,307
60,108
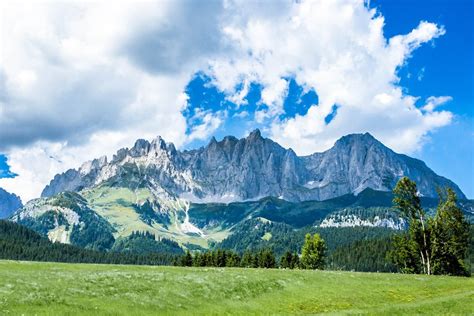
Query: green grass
x,y
31,288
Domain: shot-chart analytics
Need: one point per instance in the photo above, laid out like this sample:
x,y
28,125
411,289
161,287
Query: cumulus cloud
x,y
69,91
433,102
337,48
81,79
205,123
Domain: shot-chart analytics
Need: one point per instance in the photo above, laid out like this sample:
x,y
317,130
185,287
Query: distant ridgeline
x,y
235,194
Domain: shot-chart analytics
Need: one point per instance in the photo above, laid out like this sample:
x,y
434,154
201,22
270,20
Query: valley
x,y
235,194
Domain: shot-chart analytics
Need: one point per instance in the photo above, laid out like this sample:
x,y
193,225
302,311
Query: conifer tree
x,y
187,260
286,260
267,259
295,261
450,237
313,252
247,260
404,255
232,259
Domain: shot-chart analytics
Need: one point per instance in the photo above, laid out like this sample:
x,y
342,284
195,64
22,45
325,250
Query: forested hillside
x,y
20,243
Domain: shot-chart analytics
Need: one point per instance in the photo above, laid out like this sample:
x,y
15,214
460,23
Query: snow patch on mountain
x,y
187,227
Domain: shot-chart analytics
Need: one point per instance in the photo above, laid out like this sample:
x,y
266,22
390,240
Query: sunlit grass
x,y
58,289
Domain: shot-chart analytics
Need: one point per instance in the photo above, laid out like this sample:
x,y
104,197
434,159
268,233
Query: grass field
x,y
31,288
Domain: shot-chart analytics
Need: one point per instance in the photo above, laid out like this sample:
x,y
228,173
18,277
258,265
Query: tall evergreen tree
x,y
289,260
313,252
295,261
187,260
267,259
247,260
450,237
286,260
198,260
232,259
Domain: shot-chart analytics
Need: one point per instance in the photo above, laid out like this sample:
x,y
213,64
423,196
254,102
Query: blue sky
x,y
72,91
447,69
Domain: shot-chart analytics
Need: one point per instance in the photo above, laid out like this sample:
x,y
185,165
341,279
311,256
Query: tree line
x,y
313,256
20,243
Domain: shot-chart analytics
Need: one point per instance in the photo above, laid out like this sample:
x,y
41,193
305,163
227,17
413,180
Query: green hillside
x,y
359,248
84,289
104,217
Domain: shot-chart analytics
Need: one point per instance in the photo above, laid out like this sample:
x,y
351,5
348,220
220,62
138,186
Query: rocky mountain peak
x,y
212,142
94,164
255,135
141,148
254,167
357,139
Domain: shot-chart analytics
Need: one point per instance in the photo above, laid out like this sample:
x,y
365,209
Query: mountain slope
x,y
95,217
67,218
9,203
252,168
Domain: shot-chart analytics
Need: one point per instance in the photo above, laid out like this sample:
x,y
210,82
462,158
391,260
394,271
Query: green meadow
x,y
32,288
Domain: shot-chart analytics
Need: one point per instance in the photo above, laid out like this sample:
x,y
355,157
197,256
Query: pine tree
x,y
289,260
232,259
198,260
247,260
286,260
221,258
295,261
313,252
450,237
267,259
187,260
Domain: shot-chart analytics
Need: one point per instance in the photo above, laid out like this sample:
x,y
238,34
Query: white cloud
x,y
242,114
82,79
433,102
339,49
209,123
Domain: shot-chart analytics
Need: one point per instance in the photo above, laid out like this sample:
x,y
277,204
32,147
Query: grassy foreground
x,y
73,289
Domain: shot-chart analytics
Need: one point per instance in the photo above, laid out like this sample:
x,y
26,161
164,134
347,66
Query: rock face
x,y
251,168
9,203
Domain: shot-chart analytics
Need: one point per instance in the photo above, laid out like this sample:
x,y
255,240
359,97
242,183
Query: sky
x,y
81,79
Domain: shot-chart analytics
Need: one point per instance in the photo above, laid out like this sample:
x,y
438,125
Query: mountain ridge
x,y
9,203
251,168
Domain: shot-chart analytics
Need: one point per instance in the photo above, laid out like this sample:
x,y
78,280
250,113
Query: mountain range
x,y
252,168
216,195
